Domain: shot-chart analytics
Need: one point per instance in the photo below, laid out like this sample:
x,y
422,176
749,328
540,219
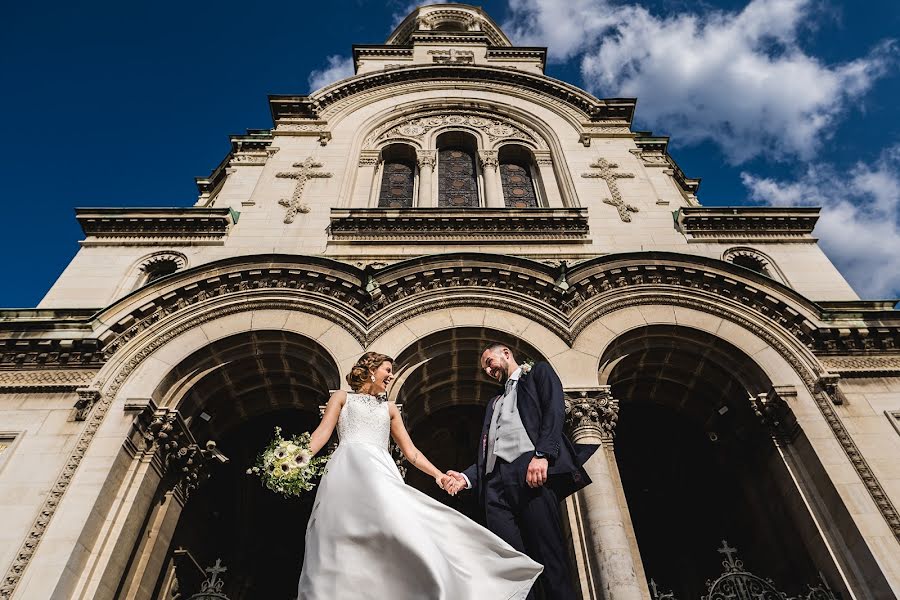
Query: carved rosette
x,y
591,414
169,443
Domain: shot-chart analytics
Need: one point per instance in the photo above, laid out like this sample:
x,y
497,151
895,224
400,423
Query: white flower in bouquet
x,y
288,466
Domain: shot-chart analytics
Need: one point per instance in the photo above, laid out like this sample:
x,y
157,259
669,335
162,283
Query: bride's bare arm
x,y
323,432
409,450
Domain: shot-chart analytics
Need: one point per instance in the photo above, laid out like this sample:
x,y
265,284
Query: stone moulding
x,y
67,380
735,224
312,106
534,225
37,353
116,226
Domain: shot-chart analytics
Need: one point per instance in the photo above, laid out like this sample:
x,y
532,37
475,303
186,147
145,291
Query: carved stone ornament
x,y
489,159
304,173
591,414
495,128
774,412
87,397
168,441
426,158
604,172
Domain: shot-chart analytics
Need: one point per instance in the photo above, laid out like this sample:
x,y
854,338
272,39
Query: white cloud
x,y
339,67
738,79
859,226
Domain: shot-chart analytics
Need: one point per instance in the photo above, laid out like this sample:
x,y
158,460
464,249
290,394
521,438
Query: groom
x,y
526,466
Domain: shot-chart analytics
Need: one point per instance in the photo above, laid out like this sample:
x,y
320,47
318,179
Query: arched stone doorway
x,y
235,391
698,465
443,392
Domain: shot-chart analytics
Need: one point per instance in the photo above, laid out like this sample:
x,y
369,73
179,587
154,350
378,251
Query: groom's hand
x,y
537,472
459,483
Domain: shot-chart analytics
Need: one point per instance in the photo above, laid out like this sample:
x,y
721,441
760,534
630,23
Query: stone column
x,y
493,194
169,448
426,160
591,416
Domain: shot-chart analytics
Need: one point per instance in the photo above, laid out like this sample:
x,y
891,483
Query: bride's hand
x,y
443,481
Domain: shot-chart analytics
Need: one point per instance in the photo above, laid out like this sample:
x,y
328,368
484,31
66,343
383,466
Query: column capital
x,y
87,398
426,158
168,443
774,412
591,413
489,159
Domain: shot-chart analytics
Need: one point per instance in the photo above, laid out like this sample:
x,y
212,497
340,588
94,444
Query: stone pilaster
x,y
591,417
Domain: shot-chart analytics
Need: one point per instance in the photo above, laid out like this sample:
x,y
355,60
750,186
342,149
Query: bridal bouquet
x,y
287,466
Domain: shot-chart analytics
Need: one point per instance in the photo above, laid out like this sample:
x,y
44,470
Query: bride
x,y
372,536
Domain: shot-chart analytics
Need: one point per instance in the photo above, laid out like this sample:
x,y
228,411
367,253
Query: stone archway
x,y
233,391
443,392
699,465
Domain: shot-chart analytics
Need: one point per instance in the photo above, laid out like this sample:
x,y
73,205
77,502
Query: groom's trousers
x,y
528,520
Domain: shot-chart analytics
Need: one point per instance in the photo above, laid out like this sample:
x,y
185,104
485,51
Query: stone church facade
x,y
448,194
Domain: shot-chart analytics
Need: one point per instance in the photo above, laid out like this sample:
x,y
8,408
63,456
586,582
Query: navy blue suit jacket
x,y
539,396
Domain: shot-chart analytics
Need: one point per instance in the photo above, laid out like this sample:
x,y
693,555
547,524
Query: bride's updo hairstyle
x,y
364,367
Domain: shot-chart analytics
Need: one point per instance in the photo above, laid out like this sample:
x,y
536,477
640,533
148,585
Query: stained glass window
x,y
397,184
518,187
457,179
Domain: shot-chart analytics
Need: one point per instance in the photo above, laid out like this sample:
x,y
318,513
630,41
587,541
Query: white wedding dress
x,y
371,536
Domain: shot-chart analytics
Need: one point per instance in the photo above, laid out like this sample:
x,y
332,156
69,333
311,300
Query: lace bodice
x,y
365,419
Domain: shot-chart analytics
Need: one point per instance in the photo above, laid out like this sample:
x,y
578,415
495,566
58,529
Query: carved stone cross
x,y
604,172
306,172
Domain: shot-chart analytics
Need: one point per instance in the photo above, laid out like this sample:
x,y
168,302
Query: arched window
x,y
157,266
398,177
754,260
517,177
159,269
750,262
457,174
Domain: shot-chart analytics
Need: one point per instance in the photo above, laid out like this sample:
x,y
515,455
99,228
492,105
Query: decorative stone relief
x,y
604,172
87,397
591,413
496,129
306,172
426,158
489,159
774,412
452,56
167,438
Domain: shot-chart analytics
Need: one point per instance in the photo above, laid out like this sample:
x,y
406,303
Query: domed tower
x,y
447,194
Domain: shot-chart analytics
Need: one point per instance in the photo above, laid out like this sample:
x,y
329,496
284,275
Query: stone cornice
x,y
310,107
367,302
43,352
535,225
149,225
746,223
654,152
518,53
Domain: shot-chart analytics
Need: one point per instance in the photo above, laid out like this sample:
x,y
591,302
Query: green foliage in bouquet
x,y
287,466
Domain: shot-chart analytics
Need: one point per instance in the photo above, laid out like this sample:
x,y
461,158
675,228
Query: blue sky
x,y
780,102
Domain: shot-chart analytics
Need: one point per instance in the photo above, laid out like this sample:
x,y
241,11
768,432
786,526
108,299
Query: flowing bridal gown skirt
x,y
371,536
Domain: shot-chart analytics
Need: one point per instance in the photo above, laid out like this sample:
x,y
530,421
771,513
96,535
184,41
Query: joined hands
x,y
456,483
